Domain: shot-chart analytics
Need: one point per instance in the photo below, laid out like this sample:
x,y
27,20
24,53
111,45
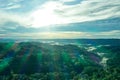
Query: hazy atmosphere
x,y
61,19
59,39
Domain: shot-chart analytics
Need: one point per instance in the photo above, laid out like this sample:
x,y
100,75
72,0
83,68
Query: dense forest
x,y
48,61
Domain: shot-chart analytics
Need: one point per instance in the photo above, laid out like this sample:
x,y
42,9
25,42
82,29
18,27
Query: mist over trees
x,y
45,61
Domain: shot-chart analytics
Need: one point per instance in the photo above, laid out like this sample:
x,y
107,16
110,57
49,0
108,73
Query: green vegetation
x,y
43,61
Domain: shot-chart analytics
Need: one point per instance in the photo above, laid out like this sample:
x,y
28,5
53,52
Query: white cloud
x,y
62,35
56,12
13,7
47,35
12,17
92,48
109,33
67,0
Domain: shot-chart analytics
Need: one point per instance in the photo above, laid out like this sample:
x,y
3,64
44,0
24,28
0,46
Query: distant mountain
x,y
113,42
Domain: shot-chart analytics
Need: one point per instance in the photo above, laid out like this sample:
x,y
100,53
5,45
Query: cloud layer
x,y
16,15
56,12
63,35
59,13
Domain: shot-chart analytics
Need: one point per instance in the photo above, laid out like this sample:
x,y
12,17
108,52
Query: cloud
x,y
90,10
110,33
12,7
55,12
63,35
67,0
6,17
2,30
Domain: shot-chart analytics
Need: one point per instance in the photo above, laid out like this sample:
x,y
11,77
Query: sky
x,y
59,19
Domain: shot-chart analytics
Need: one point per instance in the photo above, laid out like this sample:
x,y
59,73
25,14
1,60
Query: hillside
x,y
52,61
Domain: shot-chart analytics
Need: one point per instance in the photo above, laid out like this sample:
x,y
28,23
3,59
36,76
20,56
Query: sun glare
x,y
45,16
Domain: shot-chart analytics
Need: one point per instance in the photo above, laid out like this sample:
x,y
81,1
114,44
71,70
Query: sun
x,y
45,16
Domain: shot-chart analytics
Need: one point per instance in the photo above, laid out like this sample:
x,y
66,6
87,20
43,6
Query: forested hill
x,y
52,61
